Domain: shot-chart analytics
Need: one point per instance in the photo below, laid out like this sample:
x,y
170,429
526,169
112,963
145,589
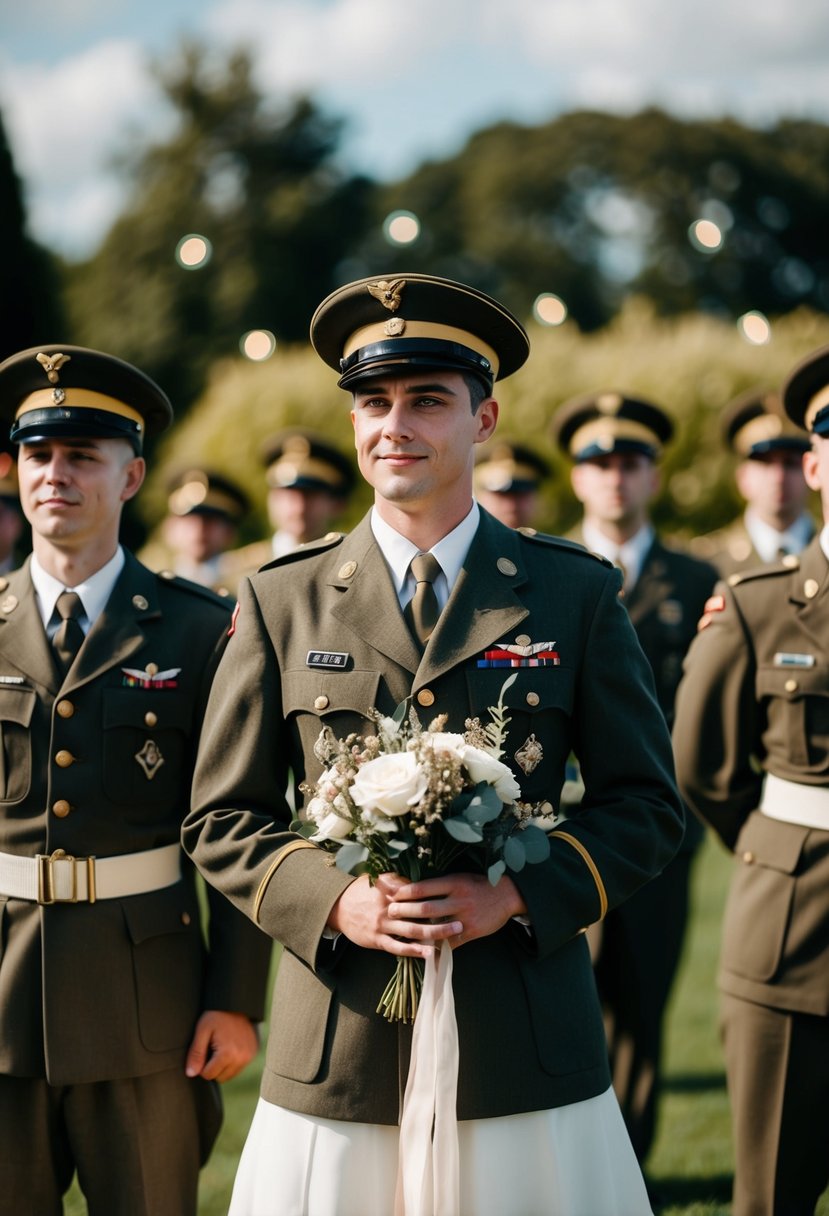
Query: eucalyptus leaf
x,y
484,806
495,871
351,855
459,829
514,854
536,843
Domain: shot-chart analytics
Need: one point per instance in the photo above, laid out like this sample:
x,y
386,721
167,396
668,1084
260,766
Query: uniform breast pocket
x,y
797,701
339,700
539,706
146,747
16,708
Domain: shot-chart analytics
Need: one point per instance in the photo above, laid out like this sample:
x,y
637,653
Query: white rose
x,y
445,741
331,826
389,784
483,767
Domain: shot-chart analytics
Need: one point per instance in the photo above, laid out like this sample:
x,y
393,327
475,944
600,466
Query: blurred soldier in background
x,y
309,482
116,1016
776,521
752,754
12,522
615,441
507,480
204,513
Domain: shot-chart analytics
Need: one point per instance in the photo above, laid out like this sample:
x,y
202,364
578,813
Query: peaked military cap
x,y
755,424
806,393
59,391
506,467
301,460
199,491
599,424
375,326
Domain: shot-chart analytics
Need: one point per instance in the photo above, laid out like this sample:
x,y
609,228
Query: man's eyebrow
x,y
381,387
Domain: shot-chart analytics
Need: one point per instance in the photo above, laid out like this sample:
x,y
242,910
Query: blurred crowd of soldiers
x,y
614,441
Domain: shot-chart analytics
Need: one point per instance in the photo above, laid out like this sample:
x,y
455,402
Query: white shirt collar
x,y
768,541
450,551
94,591
631,555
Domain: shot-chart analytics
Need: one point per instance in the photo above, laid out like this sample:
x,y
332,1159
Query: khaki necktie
x,y
422,610
67,641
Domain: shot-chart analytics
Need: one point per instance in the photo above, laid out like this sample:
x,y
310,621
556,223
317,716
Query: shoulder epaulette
x,y
786,566
171,579
561,542
313,546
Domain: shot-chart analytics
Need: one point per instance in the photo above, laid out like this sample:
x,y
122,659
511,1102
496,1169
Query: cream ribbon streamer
x,y
427,1170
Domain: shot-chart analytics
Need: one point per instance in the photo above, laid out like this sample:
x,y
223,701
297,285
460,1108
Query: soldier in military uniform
x,y
309,482
769,476
320,639
752,751
615,441
204,512
115,1021
507,480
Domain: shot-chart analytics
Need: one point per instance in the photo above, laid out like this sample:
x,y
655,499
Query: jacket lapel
x,y
483,607
366,600
812,577
23,640
652,586
118,633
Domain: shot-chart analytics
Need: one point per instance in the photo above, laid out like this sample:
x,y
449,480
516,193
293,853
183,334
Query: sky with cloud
x,y
412,80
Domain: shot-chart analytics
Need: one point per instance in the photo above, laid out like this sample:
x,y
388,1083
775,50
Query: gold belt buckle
x,y
46,893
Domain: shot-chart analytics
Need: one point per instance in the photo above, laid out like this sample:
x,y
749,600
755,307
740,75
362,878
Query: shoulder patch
x,y
561,542
329,541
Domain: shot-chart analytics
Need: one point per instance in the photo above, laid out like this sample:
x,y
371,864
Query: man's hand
x,y
223,1043
364,914
468,901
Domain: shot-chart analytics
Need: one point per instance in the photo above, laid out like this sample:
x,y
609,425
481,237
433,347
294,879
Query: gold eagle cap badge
x,y
52,364
390,295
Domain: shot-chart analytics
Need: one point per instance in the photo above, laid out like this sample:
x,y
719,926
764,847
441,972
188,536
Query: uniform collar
x,y
768,542
450,551
93,591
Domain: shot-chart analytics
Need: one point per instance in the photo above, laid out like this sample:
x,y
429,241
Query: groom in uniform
x,y
322,636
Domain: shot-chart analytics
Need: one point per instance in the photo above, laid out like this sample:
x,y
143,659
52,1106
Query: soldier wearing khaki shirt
x,y
752,748
320,639
115,1019
769,477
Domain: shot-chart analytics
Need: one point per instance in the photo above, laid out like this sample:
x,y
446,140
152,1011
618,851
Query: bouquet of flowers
x,y
421,802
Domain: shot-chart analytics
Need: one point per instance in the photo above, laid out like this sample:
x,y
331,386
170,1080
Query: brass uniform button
x,y
185,918
150,719
321,702
9,603
61,808
139,601
64,758
347,569
810,588
791,686
506,566
65,709
425,697
533,698
748,857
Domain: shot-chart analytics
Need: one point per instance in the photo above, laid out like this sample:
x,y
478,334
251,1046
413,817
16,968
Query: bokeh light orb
x,y
401,227
755,328
549,309
706,236
257,345
193,251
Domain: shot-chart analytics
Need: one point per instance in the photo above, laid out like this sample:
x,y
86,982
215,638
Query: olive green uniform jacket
x,y
531,1034
755,696
730,549
101,991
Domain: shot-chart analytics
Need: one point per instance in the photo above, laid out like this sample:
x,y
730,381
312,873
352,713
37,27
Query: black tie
x,y
67,641
422,610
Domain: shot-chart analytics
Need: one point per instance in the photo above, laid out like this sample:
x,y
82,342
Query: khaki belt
x,y
59,878
806,805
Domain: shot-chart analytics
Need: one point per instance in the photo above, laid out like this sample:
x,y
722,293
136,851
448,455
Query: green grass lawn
x,y
691,1163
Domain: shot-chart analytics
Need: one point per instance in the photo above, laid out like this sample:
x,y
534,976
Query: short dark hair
x,y
478,391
